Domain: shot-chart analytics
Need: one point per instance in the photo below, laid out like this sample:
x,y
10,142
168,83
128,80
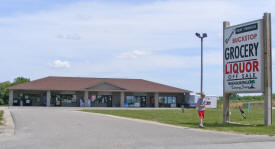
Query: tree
x,y
234,96
20,80
4,94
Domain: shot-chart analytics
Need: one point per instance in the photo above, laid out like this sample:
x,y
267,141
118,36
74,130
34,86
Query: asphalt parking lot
x,y
64,128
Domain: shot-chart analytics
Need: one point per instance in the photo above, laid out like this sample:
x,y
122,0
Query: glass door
x,y
142,101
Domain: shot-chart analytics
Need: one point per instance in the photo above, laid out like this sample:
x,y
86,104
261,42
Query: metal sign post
x,y
267,69
247,66
225,95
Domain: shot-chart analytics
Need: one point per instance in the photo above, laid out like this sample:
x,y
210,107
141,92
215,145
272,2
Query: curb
x,y
7,129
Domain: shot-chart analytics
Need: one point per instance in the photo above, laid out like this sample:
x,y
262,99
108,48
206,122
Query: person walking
x,y
201,108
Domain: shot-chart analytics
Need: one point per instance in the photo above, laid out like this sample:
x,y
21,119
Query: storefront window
x,y
64,100
135,101
130,101
167,101
102,101
27,99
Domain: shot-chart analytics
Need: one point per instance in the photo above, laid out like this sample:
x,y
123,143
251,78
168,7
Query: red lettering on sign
x,y
248,67
244,38
235,68
242,67
255,66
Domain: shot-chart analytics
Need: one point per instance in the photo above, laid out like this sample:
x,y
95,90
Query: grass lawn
x,y
1,117
212,121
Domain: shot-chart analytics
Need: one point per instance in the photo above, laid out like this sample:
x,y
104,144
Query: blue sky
x,y
152,40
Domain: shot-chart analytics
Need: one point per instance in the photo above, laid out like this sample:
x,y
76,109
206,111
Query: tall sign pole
x,y
247,66
225,95
201,64
204,35
267,69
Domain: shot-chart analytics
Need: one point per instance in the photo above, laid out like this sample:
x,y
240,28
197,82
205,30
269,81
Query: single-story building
x,y
96,92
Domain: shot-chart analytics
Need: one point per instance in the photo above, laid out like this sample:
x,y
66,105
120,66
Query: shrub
x,y
2,102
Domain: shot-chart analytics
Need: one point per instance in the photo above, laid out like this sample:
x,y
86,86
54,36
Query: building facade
x,y
96,92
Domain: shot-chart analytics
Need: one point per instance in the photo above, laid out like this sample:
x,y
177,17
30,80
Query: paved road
x,y
63,128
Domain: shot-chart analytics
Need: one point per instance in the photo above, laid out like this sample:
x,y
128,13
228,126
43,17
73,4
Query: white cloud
x,y
60,64
73,36
140,53
133,54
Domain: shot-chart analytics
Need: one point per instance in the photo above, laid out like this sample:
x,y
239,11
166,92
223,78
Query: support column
x,y
48,98
156,100
122,98
86,98
267,69
10,97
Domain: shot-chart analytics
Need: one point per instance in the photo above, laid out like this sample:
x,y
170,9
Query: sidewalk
x,y
8,128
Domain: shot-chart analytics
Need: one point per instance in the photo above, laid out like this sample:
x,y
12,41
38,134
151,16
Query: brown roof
x,y
81,84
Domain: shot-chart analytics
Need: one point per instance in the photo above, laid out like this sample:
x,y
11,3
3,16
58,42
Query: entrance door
x,y
152,101
142,101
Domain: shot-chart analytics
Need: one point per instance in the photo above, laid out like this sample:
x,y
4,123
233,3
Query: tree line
x,y
236,97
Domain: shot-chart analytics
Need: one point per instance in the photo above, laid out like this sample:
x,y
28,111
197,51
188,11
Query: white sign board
x,y
243,62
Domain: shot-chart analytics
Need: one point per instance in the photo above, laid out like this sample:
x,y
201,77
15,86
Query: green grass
x,y
212,121
1,117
